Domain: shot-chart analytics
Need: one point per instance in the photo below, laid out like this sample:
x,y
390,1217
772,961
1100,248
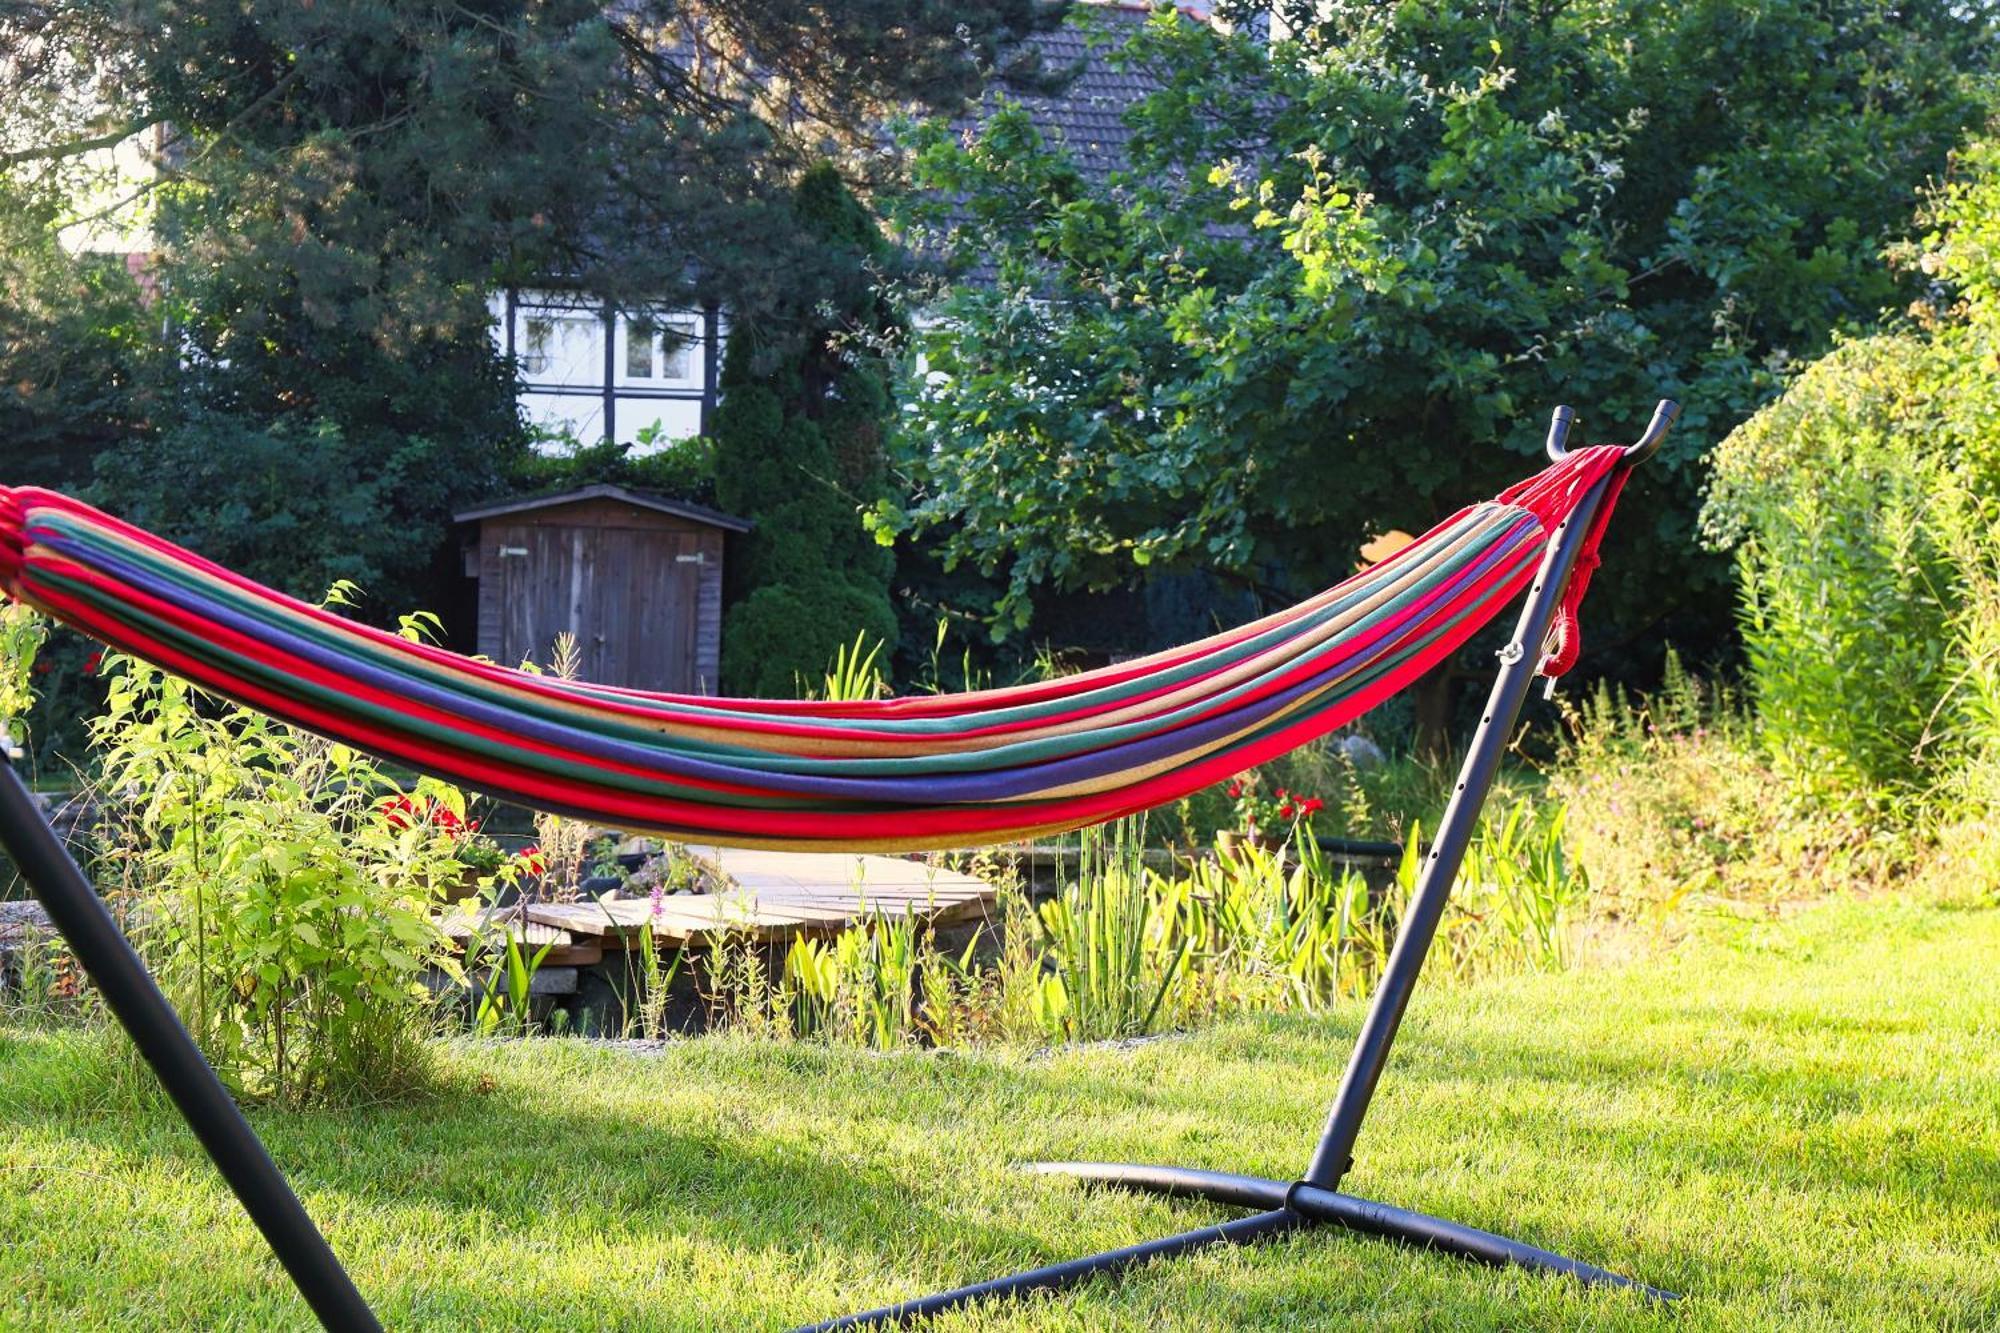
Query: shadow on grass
x,y
1595,1137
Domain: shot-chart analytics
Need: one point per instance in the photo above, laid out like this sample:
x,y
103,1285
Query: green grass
x,y
1796,1124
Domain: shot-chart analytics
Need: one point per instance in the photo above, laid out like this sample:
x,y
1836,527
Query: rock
x,y
25,913
1362,752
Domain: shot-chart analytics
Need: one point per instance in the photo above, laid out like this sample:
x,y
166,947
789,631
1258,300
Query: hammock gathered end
x,y
902,774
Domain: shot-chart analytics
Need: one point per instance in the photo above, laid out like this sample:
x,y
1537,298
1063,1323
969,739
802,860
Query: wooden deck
x,y
775,896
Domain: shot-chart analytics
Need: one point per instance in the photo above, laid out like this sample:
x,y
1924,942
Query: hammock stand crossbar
x,y
1314,1199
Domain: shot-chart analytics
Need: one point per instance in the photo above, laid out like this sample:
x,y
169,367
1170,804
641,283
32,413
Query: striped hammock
x,y
899,774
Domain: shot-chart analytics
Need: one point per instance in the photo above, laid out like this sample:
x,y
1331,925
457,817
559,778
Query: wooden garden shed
x,y
636,577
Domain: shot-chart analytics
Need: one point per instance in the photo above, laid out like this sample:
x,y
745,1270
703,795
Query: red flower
x,y
1285,810
1312,805
1234,789
398,811
91,663
532,860
405,812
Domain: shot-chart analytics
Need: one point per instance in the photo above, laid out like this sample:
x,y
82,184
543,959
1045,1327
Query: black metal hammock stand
x,y
1062,789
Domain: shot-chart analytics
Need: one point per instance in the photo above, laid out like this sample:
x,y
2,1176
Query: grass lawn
x,y
1798,1124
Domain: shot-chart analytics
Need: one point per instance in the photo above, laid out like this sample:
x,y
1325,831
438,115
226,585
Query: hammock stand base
x,y
135,999
1285,1208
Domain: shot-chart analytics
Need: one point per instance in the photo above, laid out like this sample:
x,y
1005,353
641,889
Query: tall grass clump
x,y
1281,931
1115,942
1126,948
860,986
1673,799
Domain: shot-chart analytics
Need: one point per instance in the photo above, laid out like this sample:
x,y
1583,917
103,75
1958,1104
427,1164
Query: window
x,y
559,346
537,336
677,352
661,350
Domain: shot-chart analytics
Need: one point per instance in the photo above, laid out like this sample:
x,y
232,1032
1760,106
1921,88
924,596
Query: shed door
x,y
626,594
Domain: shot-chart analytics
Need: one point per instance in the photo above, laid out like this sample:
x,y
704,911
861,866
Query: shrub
x,y
283,912
22,633
302,502
1862,506
684,469
1841,516
786,633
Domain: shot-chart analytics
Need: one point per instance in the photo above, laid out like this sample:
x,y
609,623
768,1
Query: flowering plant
x,y
478,854
1268,817
404,811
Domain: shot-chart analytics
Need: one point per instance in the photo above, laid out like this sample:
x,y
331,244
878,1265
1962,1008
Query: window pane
x,y
639,343
678,344
538,332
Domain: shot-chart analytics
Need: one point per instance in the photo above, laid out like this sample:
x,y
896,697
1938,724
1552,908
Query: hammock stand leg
x,y
1314,1199
132,995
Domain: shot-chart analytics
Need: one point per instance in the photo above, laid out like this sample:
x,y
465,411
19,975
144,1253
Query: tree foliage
x,y
335,190
1347,274
798,451
77,354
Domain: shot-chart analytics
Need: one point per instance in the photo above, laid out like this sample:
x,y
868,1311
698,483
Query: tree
x,y
339,188
798,451
77,355
1347,274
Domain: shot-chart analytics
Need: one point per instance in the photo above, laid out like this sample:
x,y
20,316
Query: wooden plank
x,y
463,926
779,895
580,953
564,949
805,909
578,919
856,908
912,893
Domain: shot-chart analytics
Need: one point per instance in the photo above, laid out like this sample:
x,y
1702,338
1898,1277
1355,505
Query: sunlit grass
x,y
1798,1125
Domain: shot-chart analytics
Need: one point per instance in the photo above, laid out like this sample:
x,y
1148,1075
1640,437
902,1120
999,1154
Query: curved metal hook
x,y
1648,444
1663,420
1559,425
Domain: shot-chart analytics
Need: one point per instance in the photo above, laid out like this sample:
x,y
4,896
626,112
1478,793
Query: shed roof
x,y
660,504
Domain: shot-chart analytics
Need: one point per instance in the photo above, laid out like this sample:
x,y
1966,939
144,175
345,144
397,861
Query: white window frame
x,y
528,314
684,325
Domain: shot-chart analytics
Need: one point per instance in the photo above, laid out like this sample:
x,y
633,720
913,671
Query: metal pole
x,y
1335,1153
1055,1277
1435,1233
1362,1215
128,989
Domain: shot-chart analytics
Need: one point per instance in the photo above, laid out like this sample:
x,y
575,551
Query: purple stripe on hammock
x,y
1017,783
